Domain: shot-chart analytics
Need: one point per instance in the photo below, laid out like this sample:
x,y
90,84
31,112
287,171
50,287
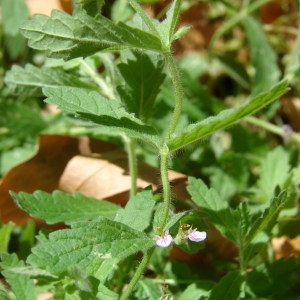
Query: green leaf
x,y
143,76
102,269
266,280
194,291
21,121
92,7
93,106
263,57
83,282
226,118
274,171
21,285
32,272
30,80
105,293
267,220
231,174
65,36
85,241
121,11
168,26
62,207
15,156
14,13
147,289
5,233
228,288
141,207
218,210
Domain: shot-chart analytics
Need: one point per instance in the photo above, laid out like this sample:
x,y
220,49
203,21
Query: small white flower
x,y
197,236
164,241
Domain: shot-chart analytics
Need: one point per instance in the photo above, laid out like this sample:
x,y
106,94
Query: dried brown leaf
x,y
43,171
42,6
106,176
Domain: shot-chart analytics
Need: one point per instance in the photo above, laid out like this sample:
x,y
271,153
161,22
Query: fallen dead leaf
x,y
43,171
290,110
106,176
42,6
92,167
286,247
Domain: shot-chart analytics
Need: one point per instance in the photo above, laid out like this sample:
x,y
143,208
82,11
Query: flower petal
x,y
197,236
164,241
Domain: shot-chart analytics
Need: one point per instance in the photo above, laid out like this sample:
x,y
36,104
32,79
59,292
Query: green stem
x,y
178,91
106,90
136,6
273,128
164,164
132,165
138,273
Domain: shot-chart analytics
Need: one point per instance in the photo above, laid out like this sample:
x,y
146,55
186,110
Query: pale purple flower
x,y
164,241
287,131
197,236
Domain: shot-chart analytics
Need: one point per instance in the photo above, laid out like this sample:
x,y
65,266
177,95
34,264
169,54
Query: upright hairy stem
x,y
132,165
178,91
138,273
164,152
164,164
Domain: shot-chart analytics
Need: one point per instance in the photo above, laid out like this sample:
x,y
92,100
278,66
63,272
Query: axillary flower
x,y
164,240
196,236
187,232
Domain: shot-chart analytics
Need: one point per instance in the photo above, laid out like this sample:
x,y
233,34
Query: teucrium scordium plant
x,y
104,234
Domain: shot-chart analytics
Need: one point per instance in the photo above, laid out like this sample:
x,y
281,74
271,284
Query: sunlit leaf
x,y
65,36
30,80
274,171
263,57
62,207
210,203
5,234
143,76
226,118
266,221
168,26
229,287
141,207
85,241
21,284
14,13
93,106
